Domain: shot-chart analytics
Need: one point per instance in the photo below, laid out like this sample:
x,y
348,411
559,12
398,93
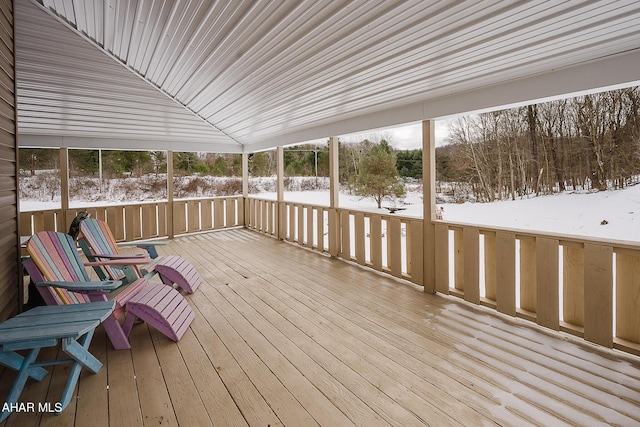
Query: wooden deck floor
x,y
284,336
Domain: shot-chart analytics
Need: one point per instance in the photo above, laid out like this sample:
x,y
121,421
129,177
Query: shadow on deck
x,y
284,336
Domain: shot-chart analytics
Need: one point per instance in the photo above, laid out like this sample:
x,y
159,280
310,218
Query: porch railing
x,y
130,222
587,287
387,243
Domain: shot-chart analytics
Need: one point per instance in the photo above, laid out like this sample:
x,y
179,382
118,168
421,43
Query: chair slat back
x,y
56,257
96,238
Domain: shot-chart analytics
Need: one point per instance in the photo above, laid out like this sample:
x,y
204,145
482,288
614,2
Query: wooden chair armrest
x,y
119,256
104,285
144,243
148,245
119,262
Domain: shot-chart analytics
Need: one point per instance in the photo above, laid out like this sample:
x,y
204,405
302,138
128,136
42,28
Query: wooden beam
x,y
334,184
64,184
429,199
245,174
170,227
245,191
281,217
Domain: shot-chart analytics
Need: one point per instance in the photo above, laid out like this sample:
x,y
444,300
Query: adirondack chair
x,y
22,337
58,271
98,243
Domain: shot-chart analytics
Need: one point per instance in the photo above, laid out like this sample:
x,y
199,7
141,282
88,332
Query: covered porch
x,y
428,322
286,336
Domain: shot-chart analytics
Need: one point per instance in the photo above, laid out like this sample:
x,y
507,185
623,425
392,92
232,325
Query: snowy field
x,y
608,214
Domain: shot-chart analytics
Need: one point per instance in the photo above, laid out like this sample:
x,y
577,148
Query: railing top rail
x,y
145,202
186,199
341,209
564,238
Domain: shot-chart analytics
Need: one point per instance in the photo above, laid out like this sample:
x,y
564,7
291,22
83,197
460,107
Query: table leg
x,y
21,380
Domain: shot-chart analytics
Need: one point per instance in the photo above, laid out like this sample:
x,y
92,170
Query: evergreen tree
x,y
159,161
184,161
258,164
33,159
378,175
409,163
219,166
83,162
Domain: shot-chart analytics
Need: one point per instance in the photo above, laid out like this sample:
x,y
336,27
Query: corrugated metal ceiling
x,y
228,75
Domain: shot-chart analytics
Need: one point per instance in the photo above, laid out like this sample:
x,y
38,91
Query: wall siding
x,y
10,298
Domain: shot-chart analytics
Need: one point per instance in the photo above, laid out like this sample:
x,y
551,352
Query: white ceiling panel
x,y
246,74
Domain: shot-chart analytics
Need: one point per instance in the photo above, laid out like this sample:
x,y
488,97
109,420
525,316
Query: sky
x,y
406,137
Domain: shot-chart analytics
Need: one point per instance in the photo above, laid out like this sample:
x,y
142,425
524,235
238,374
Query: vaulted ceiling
x,y
232,76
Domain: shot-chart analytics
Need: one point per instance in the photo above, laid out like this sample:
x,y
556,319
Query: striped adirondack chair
x,y
98,243
58,271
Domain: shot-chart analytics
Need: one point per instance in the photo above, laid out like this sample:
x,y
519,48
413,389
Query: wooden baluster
x,y
573,283
506,273
547,283
345,219
360,238
218,213
206,212
471,242
442,258
458,260
528,293
490,265
417,252
628,295
193,215
375,236
394,254
310,228
598,294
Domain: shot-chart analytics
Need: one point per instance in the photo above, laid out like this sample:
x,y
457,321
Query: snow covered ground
x,y
608,214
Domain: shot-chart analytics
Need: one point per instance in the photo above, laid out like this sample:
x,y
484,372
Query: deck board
x,y
284,336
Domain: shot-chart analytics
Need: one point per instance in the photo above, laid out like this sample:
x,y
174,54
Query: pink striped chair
x,y
98,243
58,271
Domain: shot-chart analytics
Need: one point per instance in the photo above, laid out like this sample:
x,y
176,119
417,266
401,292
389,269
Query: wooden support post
x,y
169,213
334,184
334,199
64,188
245,188
429,200
281,217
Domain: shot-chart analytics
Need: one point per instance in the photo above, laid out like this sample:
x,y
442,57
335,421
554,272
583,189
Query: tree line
x,y
124,163
587,142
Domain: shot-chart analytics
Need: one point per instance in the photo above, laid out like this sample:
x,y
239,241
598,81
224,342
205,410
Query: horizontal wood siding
x,y
10,298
